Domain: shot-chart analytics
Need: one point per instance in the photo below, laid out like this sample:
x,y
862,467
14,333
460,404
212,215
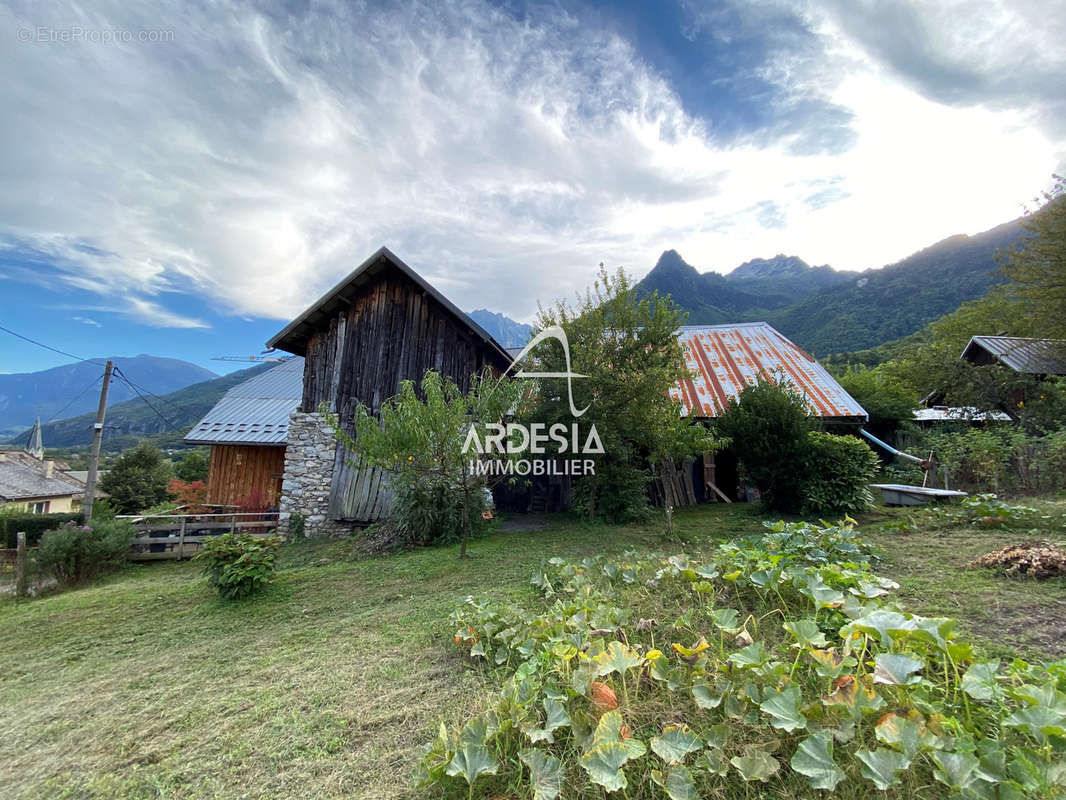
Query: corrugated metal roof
x,y
1033,356
21,481
256,411
723,359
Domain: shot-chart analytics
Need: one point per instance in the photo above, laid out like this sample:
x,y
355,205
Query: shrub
x,y
34,525
767,426
427,511
138,479
77,553
192,497
620,491
239,564
837,473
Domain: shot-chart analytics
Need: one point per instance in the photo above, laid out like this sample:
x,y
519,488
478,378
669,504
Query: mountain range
x,y
831,311
73,389
503,329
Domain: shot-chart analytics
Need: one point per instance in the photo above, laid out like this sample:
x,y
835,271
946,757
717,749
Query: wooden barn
x,y
247,431
379,326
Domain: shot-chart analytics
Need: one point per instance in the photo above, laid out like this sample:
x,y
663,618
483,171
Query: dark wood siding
x,y
391,330
237,471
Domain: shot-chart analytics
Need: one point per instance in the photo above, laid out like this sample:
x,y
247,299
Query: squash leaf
x,y
546,773
896,670
470,761
881,766
677,783
755,765
676,742
814,758
617,658
783,708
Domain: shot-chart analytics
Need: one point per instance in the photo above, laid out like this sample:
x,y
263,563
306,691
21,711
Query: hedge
x,y
33,524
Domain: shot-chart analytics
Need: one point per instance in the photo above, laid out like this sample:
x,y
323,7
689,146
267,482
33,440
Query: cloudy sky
x,y
183,178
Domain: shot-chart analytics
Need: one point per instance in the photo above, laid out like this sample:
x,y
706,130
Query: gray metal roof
x,y
256,411
1033,356
23,481
293,338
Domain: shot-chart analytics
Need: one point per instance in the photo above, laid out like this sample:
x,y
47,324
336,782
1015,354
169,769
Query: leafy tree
x,y
192,467
767,427
627,347
888,402
1038,264
138,479
420,436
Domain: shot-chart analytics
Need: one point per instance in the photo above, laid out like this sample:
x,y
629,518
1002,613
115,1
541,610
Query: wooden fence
x,y
177,536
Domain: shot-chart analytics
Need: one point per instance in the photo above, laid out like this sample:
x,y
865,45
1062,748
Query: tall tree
x,y
627,347
138,479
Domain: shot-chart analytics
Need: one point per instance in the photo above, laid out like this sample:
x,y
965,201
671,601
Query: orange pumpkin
x,y
603,696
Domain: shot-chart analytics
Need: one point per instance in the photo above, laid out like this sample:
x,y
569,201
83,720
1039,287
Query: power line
x,y
53,349
122,376
96,380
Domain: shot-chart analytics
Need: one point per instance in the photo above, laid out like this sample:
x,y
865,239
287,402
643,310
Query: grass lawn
x,y
327,684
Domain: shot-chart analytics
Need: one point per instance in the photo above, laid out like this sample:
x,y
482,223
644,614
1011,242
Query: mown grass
x,y
326,685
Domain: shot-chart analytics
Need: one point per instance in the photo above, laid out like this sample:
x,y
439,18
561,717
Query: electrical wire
x,y
122,376
77,397
53,349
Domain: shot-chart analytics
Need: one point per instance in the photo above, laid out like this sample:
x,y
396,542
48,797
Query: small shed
x,y
247,431
1040,357
381,325
722,361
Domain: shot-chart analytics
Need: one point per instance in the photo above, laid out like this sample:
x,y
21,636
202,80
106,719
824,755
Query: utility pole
x,y
98,436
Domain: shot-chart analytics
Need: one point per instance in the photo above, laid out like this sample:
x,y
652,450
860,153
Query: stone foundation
x,y
309,457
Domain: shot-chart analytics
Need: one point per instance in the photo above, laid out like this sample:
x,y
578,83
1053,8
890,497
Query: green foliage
x,y
420,439
617,493
888,401
626,346
76,553
837,473
1038,264
34,525
238,564
818,681
767,426
192,467
138,479
297,523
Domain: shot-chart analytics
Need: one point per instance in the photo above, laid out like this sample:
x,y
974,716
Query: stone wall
x,y
309,457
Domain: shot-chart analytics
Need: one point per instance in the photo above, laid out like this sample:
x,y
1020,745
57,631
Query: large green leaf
x,y
676,742
823,595
957,771
480,729
604,764
556,718
707,696
725,619
886,625
617,658
546,773
896,670
611,728
906,735
783,708
754,655
807,633
755,764
677,783
1040,721
470,761
980,681
714,761
814,758
881,766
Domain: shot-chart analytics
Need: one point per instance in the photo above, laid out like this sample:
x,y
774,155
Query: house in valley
x,y
722,360
247,431
379,326
31,483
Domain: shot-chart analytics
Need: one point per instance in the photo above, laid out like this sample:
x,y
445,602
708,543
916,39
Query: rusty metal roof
x,y
723,359
1033,356
255,412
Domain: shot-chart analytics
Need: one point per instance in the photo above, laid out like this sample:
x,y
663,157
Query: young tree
x,y
192,467
1038,264
138,479
421,436
627,347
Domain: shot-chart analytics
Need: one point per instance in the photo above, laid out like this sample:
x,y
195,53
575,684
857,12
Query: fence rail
x,y
178,536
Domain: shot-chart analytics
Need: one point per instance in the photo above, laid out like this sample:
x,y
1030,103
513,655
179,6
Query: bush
x,y
768,427
428,512
837,473
138,479
239,564
34,525
76,553
620,490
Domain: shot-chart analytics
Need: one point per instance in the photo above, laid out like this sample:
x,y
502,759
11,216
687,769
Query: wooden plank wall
x,y
392,331
236,471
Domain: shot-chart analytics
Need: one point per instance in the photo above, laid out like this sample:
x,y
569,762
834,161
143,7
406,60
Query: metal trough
x,y
898,494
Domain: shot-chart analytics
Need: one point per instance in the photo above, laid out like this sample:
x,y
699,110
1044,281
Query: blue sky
x,y
183,178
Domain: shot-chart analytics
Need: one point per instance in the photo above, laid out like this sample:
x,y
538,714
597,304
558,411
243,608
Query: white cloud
x,y
87,321
255,159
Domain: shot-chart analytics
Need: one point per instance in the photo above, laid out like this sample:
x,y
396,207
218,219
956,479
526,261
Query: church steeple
x,y
35,445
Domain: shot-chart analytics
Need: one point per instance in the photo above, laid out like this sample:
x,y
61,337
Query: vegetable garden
x,y
778,663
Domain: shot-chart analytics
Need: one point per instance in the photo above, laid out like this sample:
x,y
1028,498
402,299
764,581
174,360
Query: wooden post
x,y
94,456
233,524
20,564
181,539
